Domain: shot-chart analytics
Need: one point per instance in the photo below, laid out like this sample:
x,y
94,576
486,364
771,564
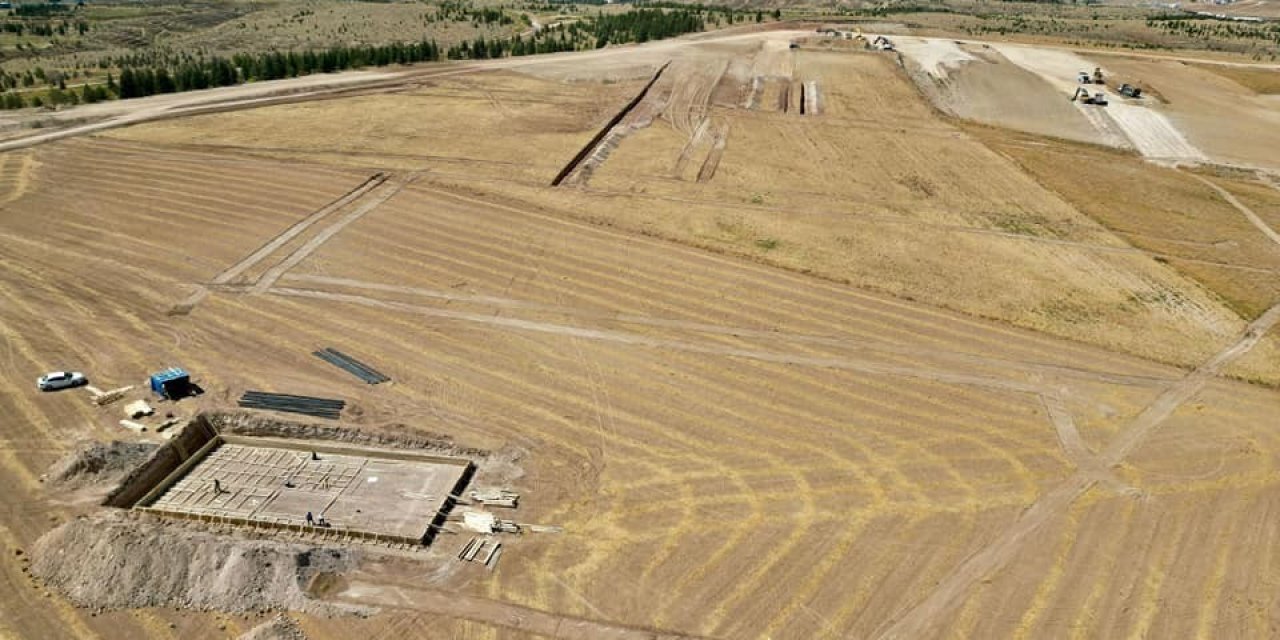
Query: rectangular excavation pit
x,y
362,493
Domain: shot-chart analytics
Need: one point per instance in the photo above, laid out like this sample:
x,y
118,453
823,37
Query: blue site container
x,y
172,383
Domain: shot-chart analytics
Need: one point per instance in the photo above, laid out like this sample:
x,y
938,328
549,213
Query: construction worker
x,y
310,520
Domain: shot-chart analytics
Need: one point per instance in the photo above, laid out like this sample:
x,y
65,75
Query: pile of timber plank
x,y
306,405
350,365
472,551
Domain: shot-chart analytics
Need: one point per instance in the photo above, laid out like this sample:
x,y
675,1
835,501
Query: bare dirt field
x,y
799,358
976,82
1190,112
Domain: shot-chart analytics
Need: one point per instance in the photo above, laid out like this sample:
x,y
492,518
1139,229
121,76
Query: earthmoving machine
x,y
1082,94
1084,77
1129,91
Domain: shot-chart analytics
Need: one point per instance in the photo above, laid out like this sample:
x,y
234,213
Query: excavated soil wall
x,y
197,434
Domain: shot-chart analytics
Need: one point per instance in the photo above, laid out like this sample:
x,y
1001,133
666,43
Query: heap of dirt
x,y
281,627
97,462
114,562
246,424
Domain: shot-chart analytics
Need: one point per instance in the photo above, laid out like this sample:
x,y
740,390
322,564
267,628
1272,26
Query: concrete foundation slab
x,y
272,482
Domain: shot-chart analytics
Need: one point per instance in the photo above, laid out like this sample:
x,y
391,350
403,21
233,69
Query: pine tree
x,y
128,84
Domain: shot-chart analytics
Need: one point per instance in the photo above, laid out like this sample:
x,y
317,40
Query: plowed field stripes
x,y
940,323
269,278
496,612
302,225
916,621
861,344
642,340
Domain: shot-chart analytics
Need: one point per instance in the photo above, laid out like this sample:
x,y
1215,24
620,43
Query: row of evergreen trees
x,y
188,73
643,25
203,73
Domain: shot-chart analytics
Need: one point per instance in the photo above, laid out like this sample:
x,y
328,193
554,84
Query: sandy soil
x,y
731,448
1229,122
108,562
976,82
1172,213
1149,131
1202,116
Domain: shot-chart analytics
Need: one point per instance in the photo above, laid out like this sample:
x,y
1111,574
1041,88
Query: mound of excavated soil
x,y
281,627
96,462
247,424
116,563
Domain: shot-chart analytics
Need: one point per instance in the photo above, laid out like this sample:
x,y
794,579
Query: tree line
x,y
169,73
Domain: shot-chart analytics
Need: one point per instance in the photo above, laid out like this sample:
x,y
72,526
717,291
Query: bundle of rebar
x,y
350,365
306,405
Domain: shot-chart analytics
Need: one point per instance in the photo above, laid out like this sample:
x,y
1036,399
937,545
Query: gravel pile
x,y
281,627
116,563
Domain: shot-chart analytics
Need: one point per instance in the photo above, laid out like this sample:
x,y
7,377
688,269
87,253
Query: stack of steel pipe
x,y
350,365
306,405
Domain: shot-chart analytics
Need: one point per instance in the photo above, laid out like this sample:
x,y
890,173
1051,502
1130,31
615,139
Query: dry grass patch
x,y
1158,209
474,125
1258,80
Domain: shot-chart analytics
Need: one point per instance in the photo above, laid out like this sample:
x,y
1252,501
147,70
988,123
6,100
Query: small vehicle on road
x,y
61,380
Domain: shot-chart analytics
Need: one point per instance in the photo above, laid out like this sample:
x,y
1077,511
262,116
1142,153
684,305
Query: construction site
x,y
808,331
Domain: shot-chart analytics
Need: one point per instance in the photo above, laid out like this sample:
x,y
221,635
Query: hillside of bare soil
x,y
97,463
112,562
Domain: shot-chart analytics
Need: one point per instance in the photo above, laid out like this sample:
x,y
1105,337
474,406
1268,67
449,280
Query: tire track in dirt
x,y
843,304
1253,218
841,307
495,612
512,383
751,585
501,246
302,225
709,165
919,618
269,278
22,175
531,399
641,340
185,306
211,218
243,173
862,345
216,215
